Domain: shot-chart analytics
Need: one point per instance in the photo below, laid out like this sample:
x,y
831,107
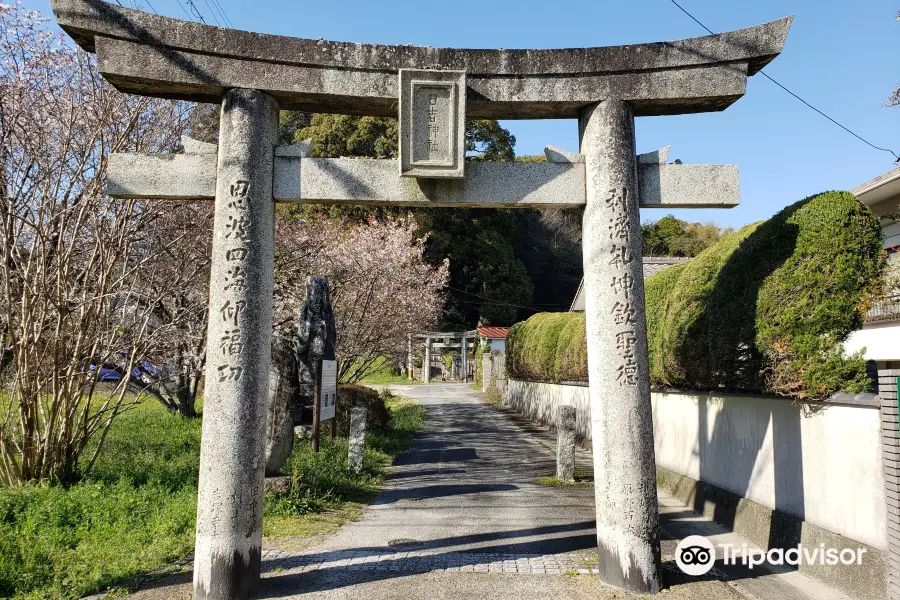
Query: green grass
x,y
135,512
554,482
493,395
383,374
325,482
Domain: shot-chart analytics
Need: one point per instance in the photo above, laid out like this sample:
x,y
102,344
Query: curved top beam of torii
x,y
148,54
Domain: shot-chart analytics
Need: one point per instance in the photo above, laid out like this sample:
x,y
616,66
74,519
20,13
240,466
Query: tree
x,y
345,135
72,260
673,237
549,244
487,141
179,281
382,288
487,277
488,280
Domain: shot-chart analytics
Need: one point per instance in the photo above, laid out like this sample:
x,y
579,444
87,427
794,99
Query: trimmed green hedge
x,y
548,347
765,309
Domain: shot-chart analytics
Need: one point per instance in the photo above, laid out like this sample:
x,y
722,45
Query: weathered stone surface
x,y
169,176
199,62
556,184
362,181
230,494
565,443
691,186
192,146
280,486
300,149
283,398
432,123
558,155
357,441
616,331
316,335
287,167
657,157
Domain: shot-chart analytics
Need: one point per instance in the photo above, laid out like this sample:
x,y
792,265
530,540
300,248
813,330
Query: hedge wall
x,y
548,347
766,309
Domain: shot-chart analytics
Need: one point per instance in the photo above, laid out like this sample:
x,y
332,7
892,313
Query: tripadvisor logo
x,y
695,555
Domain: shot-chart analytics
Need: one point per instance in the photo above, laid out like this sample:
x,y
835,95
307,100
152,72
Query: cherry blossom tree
x,y
382,288
73,261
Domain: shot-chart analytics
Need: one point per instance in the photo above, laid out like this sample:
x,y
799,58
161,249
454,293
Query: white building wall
x,y
823,466
881,341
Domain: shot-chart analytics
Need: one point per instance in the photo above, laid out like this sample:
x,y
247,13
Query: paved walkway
x,y
463,516
465,497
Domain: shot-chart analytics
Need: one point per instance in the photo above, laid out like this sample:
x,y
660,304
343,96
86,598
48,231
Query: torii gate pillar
x,y
426,363
228,553
621,417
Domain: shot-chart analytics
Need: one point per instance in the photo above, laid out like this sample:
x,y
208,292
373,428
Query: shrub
x,y
548,347
766,309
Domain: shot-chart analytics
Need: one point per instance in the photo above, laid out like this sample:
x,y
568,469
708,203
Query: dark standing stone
x,y
292,381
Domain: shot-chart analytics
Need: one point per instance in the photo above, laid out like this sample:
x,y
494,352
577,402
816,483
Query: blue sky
x,y
840,55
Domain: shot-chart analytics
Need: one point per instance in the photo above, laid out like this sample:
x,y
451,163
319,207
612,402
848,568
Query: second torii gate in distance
x,y
466,338
432,91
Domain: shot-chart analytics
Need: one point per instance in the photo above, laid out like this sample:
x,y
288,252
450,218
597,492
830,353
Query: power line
x,y
119,2
212,12
222,12
184,9
195,11
491,300
767,76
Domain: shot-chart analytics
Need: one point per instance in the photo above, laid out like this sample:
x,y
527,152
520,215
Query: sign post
x,y
317,417
328,394
324,399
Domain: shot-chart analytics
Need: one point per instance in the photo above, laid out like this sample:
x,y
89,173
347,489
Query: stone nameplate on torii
x,y
432,123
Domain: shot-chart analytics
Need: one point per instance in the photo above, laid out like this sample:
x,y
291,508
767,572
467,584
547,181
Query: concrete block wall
x,y
780,473
493,371
538,402
821,465
890,439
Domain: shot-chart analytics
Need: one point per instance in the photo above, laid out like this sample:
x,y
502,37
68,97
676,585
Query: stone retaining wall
x,y
778,472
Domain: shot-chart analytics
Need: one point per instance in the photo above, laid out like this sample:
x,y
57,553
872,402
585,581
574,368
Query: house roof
x,y
493,333
651,266
882,187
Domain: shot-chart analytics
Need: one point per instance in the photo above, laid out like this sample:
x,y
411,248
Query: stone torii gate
x,y
432,91
466,338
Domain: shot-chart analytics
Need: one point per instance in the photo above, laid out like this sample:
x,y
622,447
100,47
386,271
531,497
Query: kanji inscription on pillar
x,y
622,284
432,123
237,236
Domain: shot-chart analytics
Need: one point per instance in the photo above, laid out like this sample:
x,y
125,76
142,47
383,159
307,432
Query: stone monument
x,y
357,441
295,355
253,75
316,335
565,443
